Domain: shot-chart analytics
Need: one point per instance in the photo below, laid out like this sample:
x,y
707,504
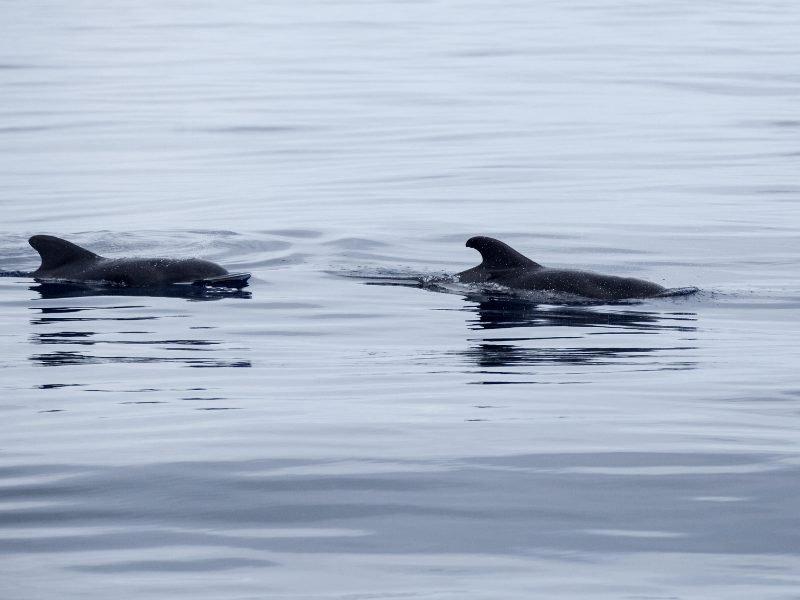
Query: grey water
x,y
337,431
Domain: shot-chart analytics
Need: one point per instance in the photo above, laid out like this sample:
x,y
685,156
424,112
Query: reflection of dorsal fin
x,y
56,252
498,255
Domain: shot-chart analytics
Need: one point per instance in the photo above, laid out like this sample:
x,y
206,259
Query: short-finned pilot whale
x,y
64,260
505,266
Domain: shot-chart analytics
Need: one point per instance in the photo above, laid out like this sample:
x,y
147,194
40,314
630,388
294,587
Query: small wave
x,y
387,277
14,274
677,292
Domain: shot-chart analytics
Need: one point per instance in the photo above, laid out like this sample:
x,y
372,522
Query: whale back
x,y
56,252
499,256
505,266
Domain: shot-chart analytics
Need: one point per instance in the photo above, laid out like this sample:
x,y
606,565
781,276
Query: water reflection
x,y
505,355
61,358
56,290
642,339
85,335
497,312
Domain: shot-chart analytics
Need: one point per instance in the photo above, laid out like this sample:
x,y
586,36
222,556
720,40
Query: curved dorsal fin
x,y
56,252
498,255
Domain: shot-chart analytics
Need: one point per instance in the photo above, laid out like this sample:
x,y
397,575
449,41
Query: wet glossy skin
x,y
505,266
64,260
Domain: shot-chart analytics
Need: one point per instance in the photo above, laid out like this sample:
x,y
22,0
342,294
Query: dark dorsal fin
x,y
56,252
498,255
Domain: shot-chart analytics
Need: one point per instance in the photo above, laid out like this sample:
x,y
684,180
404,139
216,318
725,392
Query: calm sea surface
x,y
328,436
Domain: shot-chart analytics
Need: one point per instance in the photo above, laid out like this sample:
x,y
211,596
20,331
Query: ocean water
x,y
336,431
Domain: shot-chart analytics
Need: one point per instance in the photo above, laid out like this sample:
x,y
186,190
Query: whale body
x,y
64,260
505,266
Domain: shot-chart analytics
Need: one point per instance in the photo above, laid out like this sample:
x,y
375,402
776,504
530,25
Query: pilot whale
x,y
64,260
505,266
